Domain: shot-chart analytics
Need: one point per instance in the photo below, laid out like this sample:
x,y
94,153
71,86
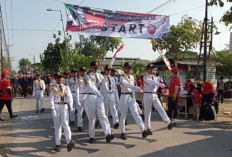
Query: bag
x,y
1,89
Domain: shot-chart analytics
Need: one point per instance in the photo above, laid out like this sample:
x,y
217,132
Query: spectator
x,y
208,100
6,97
220,89
197,104
174,93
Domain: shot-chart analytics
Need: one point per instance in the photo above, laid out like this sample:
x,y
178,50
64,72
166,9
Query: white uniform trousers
x,y
80,110
109,103
72,113
95,107
39,99
60,119
149,100
117,101
126,101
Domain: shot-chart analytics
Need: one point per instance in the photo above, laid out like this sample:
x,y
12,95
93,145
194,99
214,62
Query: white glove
x,y
163,86
137,89
99,94
33,95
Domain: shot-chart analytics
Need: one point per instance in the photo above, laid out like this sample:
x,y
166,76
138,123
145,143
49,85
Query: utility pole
x,y
1,56
205,42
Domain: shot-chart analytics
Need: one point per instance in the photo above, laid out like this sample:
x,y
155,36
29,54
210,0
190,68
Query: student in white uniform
x,y
82,83
94,102
60,102
38,93
150,99
73,85
108,91
127,100
66,79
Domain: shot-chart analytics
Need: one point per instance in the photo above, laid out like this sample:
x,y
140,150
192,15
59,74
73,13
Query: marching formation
x,y
98,95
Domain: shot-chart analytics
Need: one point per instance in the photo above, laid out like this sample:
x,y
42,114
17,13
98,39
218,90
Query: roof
x,y
119,60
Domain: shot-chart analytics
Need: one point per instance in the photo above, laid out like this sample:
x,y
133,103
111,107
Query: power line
x,y
160,6
12,25
187,10
169,5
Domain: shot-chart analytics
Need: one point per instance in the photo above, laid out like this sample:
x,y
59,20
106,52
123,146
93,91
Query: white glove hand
x,y
163,86
137,89
99,94
33,95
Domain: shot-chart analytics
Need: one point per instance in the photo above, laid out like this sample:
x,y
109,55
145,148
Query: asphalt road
x,y
33,135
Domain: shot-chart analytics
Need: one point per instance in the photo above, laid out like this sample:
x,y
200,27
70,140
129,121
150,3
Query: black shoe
x,y
75,112
149,132
70,145
126,122
91,140
116,125
145,134
111,117
37,111
83,114
97,123
123,136
71,123
1,119
79,129
58,148
171,125
14,116
142,116
42,110
109,138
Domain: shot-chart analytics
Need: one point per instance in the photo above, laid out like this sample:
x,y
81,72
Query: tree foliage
x,y
186,35
55,57
227,17
224,62
24,65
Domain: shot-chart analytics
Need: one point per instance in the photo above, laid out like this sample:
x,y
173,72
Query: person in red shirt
x,y
174,93
197,104
6,98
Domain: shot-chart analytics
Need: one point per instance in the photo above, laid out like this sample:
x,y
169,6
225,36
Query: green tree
x,y
138,68
186,35
227,17
24,65
224,62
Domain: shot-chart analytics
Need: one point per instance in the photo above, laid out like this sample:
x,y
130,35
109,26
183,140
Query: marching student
x,y
94,103
38,93
108,91
60,102
73,85
82,83
151,99
127,100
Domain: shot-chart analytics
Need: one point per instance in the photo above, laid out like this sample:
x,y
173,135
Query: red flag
x,y
114,57
120,48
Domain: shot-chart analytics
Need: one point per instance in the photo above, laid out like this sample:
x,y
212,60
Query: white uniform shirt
x,y
108,84
82,83
127,84
94,81
66,82
151,83
38,85
73,85
55,97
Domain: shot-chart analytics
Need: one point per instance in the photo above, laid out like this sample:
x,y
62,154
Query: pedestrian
x,y
127,100
174,93
94,102
5,95
73,85
197,104
30,85
108,91
117,87
220,89
24,85
13,83
151,99
82,83
38,93
60,102
19,85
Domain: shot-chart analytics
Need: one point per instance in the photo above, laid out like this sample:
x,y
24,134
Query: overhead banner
x,y
101,22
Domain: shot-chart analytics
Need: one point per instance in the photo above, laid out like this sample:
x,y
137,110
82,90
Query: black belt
x,y
90,93
73,92
126,93
150,92
61,103
39,89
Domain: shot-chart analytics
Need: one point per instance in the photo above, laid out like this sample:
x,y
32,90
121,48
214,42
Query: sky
x,y
33,26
